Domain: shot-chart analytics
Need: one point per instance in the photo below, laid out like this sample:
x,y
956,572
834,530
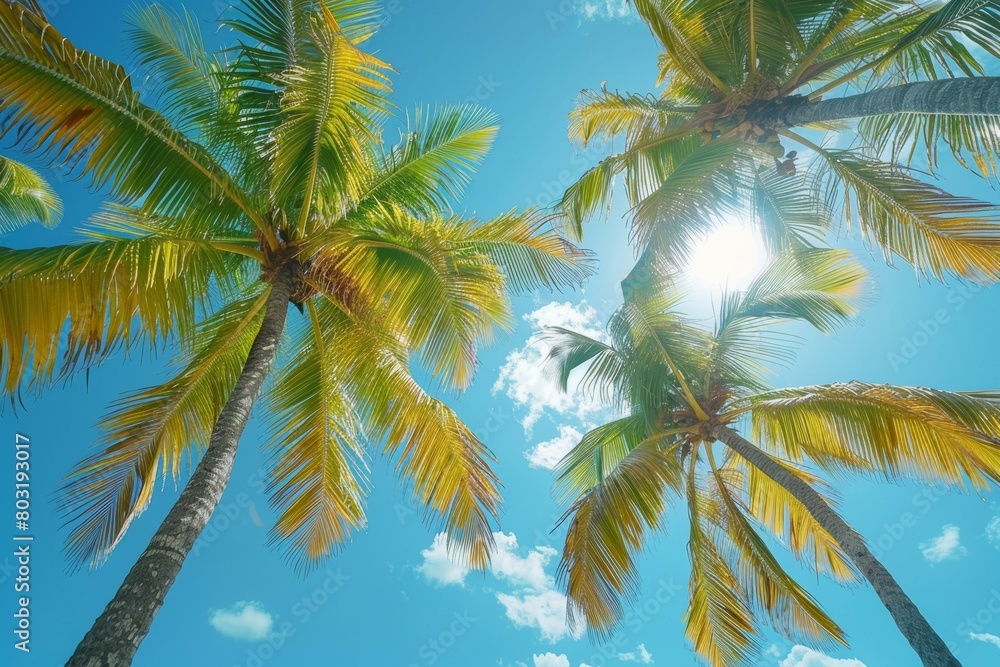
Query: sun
x,y
727,257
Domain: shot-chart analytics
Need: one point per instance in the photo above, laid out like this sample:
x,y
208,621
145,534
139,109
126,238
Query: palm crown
x,y
682,389
266,161
740,78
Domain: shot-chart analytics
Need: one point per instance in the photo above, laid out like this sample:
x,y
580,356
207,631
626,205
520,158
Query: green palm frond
x,y
608,527
183,79
330,102
771,591
779,511
431,167
934,231
100,119
26,197
149,432
447,464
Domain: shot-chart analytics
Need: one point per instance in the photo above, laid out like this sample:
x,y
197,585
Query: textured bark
x,y
925,641
115,636
966,96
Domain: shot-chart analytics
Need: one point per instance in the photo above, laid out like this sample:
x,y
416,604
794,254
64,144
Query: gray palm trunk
x,y
115,636
963,96
925,641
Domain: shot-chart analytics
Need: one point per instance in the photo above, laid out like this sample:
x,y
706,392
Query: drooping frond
x,y
785,213
64,308
893,431
26,197
149,432
444,460
934,231
719,620
904,136
771,590
784,515
596,456
99,120
316,455
608,527
446,298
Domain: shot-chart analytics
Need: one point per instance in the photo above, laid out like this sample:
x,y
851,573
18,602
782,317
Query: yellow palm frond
x,y
894,431
26,197
316,456
608,528
99,119
64,308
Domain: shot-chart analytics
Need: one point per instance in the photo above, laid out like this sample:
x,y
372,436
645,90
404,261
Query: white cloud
x,y
533,602
946,546
640,654
439,567
773,651
528,571
985,637
244,620
550,660
800,656
608,10
548,454
521,377
544,611
993,531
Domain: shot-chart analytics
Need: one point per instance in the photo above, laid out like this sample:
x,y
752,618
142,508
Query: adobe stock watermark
x,y
922,503
929,327
633,622
433,649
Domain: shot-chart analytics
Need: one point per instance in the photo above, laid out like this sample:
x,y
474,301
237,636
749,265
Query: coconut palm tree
x,y
686,396
258,179
744,84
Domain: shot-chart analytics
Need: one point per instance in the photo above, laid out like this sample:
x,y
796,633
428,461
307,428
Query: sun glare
x,y
727,257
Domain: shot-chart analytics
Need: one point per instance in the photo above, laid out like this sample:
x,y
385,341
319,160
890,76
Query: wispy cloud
x,y
606,10
985,637
946,546
993,531
640,655
802,656
244,620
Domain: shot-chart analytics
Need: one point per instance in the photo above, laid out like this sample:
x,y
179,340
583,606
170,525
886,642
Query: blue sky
x,y
392,598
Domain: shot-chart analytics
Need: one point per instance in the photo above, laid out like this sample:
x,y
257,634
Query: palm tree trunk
x,y
115,636
964,96
925,641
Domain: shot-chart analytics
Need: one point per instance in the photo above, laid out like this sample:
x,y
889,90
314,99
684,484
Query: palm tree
x,y
259,180
684,394
743,85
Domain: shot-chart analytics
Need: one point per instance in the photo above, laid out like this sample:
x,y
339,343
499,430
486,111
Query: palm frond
x,y
26,197
317,462
896,432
